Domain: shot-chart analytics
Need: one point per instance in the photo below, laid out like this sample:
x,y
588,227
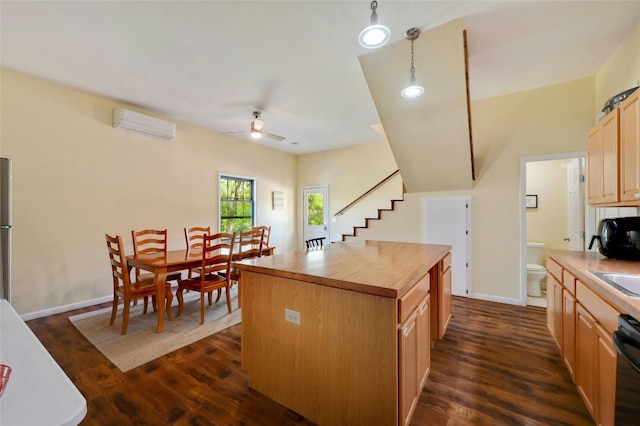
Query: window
x,y
237,204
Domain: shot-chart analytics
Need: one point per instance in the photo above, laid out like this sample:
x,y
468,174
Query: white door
x,y
447,220
575,205
315,213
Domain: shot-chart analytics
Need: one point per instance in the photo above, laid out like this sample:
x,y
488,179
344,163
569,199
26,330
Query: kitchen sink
x,y
628,284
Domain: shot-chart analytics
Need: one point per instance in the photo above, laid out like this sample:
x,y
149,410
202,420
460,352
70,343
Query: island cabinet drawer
x,y
554,269
604,313
569,282
409,302
446,262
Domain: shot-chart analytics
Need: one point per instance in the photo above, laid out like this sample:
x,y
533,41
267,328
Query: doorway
x,y
559,215
315,212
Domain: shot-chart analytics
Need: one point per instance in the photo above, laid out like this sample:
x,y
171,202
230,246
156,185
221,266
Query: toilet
x,y
536,272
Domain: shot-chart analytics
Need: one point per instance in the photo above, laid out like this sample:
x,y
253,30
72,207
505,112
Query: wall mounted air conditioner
x,y
136,122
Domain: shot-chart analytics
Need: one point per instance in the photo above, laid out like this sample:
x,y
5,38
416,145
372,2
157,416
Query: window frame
x,y
253,199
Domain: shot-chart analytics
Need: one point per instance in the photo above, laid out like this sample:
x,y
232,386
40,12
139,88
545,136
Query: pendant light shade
x,y
413,90
374,35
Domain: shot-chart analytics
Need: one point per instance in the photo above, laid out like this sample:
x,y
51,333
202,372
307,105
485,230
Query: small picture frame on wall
x,y
277,200
532,201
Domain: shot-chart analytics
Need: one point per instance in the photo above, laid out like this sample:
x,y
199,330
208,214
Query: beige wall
x,y
621,71
76,178
548,222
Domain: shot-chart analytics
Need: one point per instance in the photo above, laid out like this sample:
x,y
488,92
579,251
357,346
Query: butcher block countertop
x,y
578,263
380,268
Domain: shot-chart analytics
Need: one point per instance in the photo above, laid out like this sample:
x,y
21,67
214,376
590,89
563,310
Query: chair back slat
x,y
315,242
149,241
250,243
194,236
266,235
217,253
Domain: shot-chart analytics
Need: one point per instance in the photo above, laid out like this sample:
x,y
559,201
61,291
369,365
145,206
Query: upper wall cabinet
x,y
602,156
613,154
630,149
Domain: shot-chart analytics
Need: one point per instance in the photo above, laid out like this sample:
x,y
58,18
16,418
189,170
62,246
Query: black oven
x,y
627,342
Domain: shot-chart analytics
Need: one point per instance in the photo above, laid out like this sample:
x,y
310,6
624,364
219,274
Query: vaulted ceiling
x,y
212,63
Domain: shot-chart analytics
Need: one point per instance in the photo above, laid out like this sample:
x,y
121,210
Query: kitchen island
x,y
342,335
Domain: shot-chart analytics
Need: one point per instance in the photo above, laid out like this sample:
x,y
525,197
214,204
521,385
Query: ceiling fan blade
x,y
235,133
272,136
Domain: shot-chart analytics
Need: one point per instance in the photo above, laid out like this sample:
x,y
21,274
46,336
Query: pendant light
x,y
374,35
413,90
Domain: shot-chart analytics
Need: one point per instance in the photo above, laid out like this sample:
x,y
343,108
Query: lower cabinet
x,y
585,356
606,359
581,322
554,309
415,359
569,331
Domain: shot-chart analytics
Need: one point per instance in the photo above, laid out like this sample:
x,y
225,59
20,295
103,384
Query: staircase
x,y
368,219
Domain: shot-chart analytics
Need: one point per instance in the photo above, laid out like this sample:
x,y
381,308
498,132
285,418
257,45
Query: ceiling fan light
x,y
412,91
255,134
374,36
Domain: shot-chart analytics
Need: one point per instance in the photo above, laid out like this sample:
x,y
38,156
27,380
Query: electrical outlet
x,y
292,316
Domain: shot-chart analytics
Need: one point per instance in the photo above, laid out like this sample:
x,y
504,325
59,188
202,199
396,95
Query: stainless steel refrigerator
x,y
5,228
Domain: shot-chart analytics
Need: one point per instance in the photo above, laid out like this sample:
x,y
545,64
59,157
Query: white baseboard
x,y
491,298
65,308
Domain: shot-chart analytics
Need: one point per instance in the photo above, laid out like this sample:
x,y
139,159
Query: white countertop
x,y
39,393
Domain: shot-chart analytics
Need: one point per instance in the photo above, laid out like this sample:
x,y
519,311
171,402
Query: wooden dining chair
x,y
217,253
250,243
249,247
194,238
127,290
266,249
315,243
151,241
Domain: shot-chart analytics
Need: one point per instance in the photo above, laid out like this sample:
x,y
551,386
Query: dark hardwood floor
x,y
497,365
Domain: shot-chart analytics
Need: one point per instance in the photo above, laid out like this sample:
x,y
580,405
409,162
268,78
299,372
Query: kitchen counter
x,y
38,393
322,329
381,268
578,263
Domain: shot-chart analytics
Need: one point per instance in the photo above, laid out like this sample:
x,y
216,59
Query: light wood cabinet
x,y
630,148
585,355
569,331
554,309
445,295
409,364
424,328
414,339
581,322
603,160
606,370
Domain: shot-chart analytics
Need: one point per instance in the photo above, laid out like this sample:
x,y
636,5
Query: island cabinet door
x,y
409,365
424,343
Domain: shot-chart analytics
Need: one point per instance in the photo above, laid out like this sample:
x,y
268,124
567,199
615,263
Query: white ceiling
x,y
212,63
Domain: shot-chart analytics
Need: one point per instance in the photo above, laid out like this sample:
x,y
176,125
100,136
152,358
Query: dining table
x,y
161,264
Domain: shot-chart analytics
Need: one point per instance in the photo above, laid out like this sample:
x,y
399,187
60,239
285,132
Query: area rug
x,y
142,344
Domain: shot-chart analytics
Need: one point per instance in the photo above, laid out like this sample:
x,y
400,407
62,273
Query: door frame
x,y
588,220
325,213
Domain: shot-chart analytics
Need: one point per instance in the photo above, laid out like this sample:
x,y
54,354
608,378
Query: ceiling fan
x,y
256,129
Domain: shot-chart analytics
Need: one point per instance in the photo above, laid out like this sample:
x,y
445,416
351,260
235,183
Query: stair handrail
x,y
373,188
